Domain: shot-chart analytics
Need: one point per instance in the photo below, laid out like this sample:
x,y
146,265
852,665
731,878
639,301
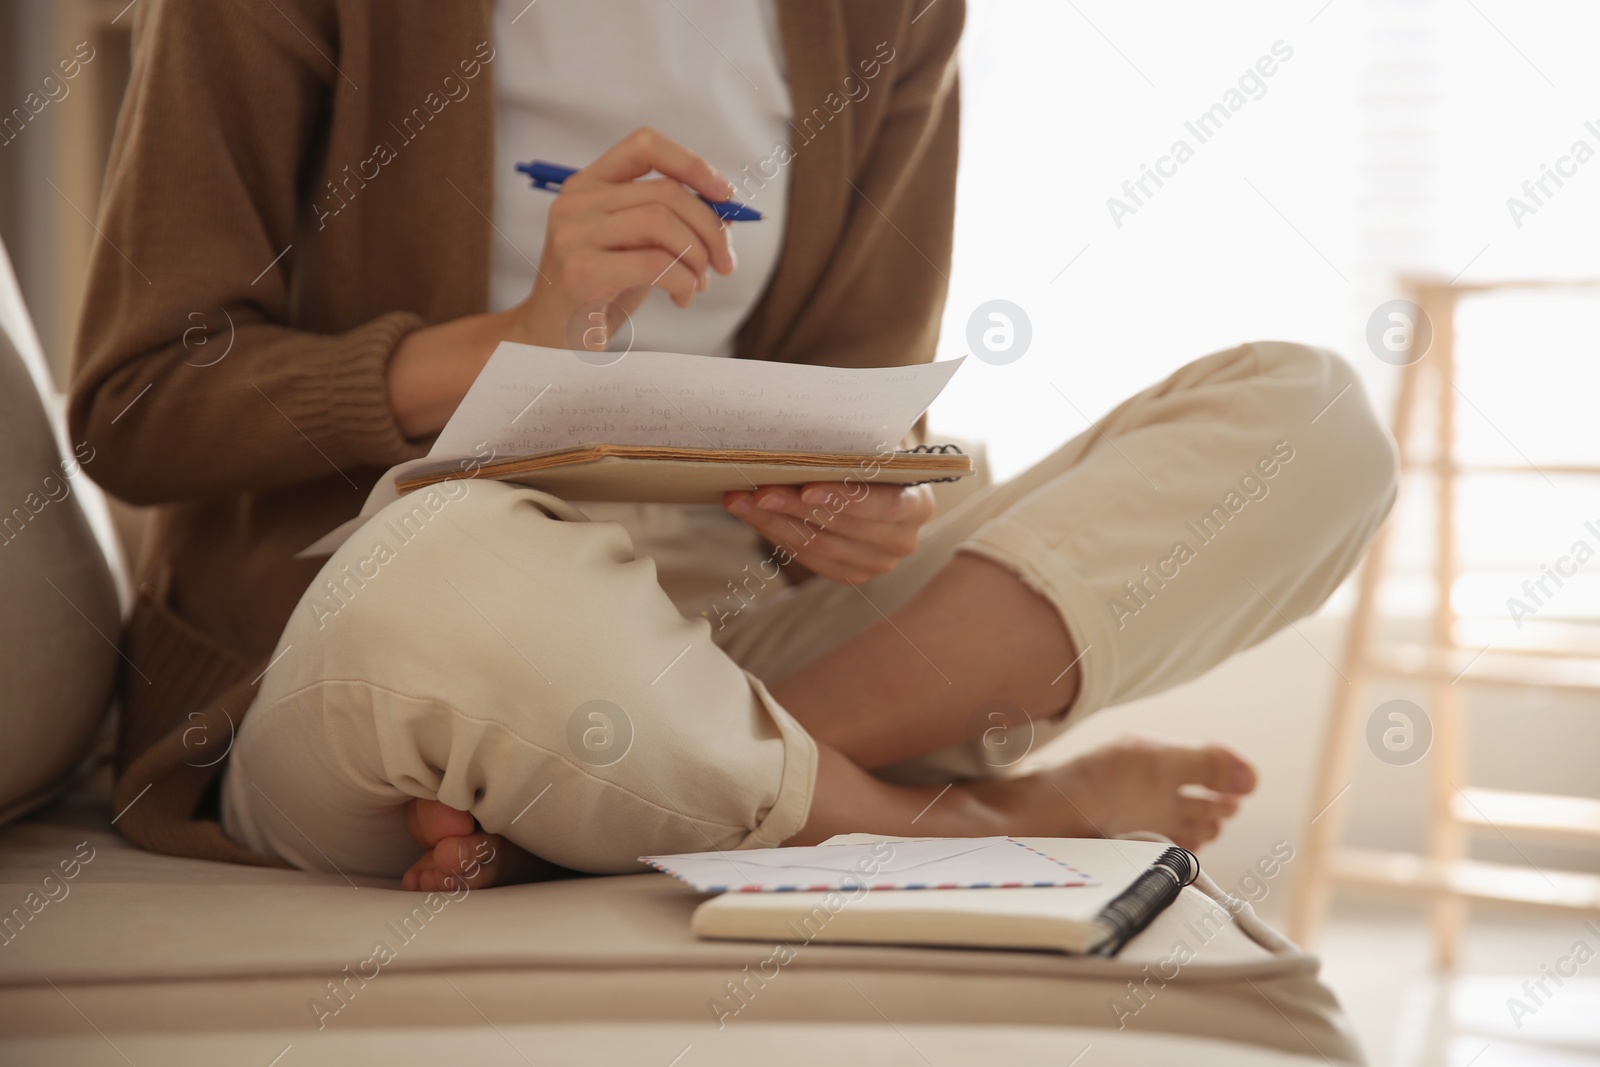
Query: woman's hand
x,y
841,531
611,238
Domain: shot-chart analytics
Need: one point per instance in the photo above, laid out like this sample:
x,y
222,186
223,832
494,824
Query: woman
x,y
328,188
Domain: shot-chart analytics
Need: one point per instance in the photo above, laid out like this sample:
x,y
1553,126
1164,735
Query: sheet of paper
x,y
529,399
929,863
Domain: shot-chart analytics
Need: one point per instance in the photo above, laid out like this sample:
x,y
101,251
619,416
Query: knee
x,y
367,579
1325,413
375,593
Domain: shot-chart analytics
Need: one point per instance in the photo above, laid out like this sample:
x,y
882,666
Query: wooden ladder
x,y
1444,876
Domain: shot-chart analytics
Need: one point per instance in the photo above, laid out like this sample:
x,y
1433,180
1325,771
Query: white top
x,y
572,77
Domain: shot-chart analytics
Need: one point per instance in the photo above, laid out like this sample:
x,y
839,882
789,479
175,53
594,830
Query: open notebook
x,y
1136,881
663,427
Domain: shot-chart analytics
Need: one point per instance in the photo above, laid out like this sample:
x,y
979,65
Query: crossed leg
x,y
1183,790
996,640
1048,550
1059,592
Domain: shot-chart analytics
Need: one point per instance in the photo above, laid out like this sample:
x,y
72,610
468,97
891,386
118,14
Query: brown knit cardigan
x,y
293,186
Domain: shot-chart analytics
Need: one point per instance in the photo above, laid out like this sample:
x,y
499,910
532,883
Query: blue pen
x,y
549,176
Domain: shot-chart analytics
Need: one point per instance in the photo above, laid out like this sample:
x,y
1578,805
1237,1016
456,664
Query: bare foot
x,y
457,853
1182,790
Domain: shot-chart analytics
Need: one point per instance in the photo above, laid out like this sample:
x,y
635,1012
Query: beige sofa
x,y
113,955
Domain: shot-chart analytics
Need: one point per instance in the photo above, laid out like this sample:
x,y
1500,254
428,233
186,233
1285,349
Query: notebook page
x,y
529,399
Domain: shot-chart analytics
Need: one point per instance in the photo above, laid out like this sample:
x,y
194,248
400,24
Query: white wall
x,y
1272,703
1390,141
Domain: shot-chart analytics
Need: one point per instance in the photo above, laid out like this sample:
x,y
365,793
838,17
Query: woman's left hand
x,y
845,532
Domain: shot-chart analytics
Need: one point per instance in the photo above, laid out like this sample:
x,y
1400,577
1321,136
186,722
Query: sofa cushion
x,y
805,1044
59,615
144,943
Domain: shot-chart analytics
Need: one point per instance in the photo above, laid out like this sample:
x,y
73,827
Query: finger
x,y
783,501
786,533
884,503
654,226
822,550
853,518
835,498
897,538
828,551
798,555
604,275
766,504
645,150
714,233
787,499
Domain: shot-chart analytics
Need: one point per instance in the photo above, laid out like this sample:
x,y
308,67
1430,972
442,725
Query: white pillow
x,y
60,597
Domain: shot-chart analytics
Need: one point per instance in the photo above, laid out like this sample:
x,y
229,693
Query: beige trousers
x,y
596,695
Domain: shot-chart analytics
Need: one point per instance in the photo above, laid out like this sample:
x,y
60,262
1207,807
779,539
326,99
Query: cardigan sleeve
x,y
188,383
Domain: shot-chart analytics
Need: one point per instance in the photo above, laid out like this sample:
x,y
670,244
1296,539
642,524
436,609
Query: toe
x,y
469,859
1199,820
412,879
457,854
481,860
1214,766
1230,772
431,821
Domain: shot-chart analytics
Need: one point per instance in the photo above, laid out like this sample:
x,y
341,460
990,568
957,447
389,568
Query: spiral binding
x,y
931,449
1138,905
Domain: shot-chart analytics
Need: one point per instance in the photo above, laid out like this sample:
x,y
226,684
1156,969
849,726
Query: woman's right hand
x,y
611,238
609,241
